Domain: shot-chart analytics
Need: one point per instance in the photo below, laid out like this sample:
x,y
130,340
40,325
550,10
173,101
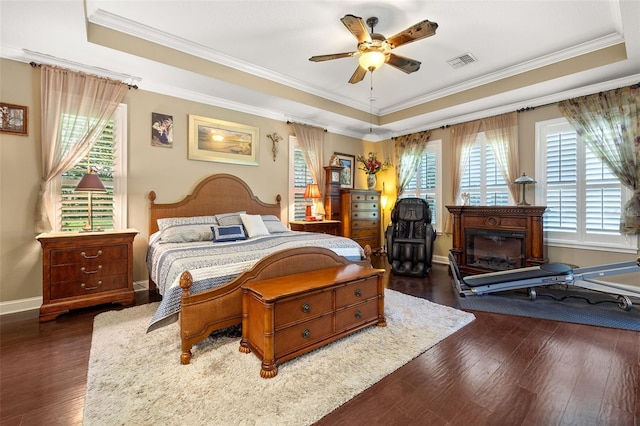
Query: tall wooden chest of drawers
x,y
360,215
85,269
287,316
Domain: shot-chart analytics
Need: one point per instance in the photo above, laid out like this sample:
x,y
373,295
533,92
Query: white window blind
x,y
426,183
482,178
299,177
583,198
107,158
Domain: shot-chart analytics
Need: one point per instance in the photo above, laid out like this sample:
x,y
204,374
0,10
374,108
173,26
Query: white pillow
x,y
254,225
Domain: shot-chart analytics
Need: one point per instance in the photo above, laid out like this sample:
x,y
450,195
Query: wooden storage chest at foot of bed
x,y
288,316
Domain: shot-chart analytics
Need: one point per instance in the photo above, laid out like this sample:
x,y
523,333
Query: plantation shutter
x,y
301,176
562,203
75,205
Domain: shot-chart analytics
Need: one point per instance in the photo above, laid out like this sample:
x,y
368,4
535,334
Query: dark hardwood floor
x,y
499,370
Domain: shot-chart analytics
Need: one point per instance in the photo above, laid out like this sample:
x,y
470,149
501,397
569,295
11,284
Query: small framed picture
x,y
14,119
348,161
161,130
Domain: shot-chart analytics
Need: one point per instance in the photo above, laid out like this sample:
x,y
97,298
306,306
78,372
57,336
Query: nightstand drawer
x,y
90,268
90,285
84,254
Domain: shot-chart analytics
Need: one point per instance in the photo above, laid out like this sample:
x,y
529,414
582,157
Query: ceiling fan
x,y
374,49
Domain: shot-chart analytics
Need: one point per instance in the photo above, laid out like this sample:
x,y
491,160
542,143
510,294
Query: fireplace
x,y
494,249
497,238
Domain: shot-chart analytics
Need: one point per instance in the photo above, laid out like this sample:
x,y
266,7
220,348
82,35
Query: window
x,y
299,177
426,183
108,158
482,178
583,198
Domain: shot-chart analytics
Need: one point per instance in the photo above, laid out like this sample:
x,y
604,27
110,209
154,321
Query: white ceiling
x,y
274,39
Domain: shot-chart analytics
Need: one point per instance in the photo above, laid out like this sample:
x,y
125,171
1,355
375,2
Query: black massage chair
x,y
410,238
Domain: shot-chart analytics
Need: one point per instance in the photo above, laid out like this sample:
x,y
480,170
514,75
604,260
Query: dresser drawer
x,y
356,315
365,233
364,214
87,269
366,223
357,291
364,197
357,207
371,242
81,255
303,334
301,308
90,285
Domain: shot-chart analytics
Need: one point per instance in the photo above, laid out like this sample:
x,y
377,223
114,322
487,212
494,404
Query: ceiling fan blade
x,y
403,64
420,30
357,27
321,58
358,75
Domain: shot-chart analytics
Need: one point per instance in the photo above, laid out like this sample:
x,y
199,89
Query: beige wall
x,y
171,175
168,172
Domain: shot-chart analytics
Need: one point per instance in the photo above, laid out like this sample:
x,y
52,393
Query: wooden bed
x,y
221,307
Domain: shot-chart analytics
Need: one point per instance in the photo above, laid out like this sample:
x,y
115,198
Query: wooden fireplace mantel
x,y
520,220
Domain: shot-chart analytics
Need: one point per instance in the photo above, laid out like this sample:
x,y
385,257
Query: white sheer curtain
x,y
85,103
463,137
311,140
408,151
501,133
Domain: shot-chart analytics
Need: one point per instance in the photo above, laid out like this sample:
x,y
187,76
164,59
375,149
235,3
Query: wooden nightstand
x,y
321,226
85,269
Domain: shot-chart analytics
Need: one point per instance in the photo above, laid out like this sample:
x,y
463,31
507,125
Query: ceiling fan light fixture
x,y
372,60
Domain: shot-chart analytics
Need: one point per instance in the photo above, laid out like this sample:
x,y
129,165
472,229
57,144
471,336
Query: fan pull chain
x,y
371,102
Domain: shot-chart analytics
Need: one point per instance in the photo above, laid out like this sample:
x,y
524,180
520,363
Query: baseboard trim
x,y
21,305
33,303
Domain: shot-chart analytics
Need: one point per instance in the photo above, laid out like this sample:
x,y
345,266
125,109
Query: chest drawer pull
x,y
306,308
306,333
83,285
83,269
83,254
358,314
358,292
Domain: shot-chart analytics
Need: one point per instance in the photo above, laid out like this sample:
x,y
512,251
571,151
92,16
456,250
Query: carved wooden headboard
x,y
215,194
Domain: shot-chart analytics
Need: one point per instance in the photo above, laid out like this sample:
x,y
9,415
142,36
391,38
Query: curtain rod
x,y
633,86
291,122
131,86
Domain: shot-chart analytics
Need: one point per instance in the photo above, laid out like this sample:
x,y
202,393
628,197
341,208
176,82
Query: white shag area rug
x,y
136,378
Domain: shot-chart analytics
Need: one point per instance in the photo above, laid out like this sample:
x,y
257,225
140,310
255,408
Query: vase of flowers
x,y
371,165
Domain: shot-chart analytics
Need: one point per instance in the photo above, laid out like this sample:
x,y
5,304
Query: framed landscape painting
x,y
349,163
222,141
14,119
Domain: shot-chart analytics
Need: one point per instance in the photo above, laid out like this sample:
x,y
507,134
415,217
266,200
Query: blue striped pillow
x,y
228,233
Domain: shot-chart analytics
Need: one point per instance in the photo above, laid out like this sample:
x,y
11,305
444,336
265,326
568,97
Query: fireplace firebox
x,y
497,238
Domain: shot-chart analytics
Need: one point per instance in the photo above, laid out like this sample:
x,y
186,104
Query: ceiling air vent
x,y
462,60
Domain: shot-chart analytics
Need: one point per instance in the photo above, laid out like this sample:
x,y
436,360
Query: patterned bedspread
x,y
214,264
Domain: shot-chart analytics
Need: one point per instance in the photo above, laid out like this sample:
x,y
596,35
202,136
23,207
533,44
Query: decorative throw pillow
x,y
186,234
254,225
186,229
273,224
226,219
228,233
